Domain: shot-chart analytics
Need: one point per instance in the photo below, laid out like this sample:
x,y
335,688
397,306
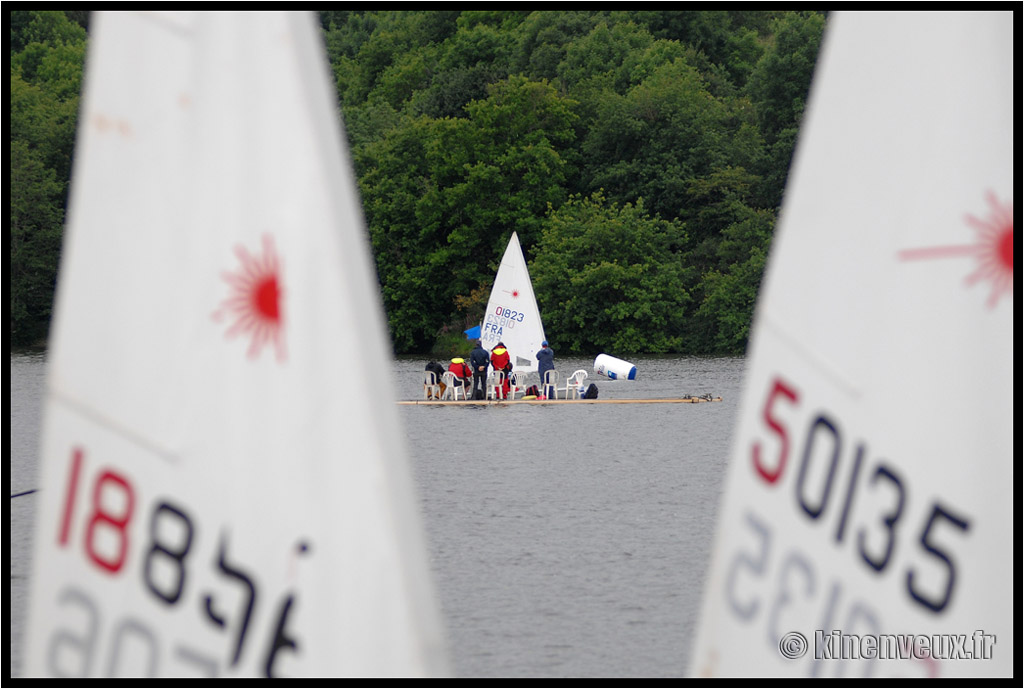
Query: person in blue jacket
x,y
546,357
479,359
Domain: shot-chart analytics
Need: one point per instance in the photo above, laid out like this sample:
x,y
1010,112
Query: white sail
x,y
512,315
867,525
225,489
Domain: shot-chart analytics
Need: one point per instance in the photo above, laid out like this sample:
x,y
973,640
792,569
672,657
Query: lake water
x,y
566,540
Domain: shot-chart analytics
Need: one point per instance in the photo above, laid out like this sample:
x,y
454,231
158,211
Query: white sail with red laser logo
x,y
220,496
512,316
867,526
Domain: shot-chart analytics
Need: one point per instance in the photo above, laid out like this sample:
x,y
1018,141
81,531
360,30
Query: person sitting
x,y
501,360
438,371
463,374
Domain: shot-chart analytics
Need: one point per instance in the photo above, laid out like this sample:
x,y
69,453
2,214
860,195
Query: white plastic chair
x,y
517,383
454,386
573,384
431,386
550,384
496,385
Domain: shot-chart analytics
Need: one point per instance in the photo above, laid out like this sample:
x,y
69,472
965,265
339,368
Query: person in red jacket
x,y
463,373
501,360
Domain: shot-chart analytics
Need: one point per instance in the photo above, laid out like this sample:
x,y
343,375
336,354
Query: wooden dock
x,y
678,400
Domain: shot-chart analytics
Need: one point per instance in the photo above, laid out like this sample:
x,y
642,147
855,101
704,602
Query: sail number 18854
x,y
166,569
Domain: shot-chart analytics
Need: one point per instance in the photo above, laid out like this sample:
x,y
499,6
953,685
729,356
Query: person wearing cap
x,y
546,357
478,361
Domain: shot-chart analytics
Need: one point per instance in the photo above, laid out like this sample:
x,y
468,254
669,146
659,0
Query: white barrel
x,y
616,369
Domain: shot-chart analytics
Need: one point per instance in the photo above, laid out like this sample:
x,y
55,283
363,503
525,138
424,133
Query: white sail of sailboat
x,y
220,495
867,525
512,316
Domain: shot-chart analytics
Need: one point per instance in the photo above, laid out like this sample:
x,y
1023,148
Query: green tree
x,y
607,51
778,89
478,55
728,304
727,292
36,213
714,202
49,27
442,196
545,37
46,79
403,183
651,142
519,137
468,125
608,278
48,51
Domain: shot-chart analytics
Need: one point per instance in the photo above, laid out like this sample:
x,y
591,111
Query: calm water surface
x,y
566,540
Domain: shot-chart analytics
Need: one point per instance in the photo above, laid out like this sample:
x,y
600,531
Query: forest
x,y
641,156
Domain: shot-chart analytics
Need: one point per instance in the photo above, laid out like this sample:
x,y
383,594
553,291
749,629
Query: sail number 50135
x,y
823,454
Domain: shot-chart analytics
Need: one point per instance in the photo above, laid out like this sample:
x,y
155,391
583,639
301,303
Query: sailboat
x,y
867,526
218,496
512,316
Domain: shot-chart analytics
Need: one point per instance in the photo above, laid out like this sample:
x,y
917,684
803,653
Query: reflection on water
x,y
566,540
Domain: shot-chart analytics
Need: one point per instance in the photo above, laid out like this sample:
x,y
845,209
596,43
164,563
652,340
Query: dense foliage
x,y
641,157
47,51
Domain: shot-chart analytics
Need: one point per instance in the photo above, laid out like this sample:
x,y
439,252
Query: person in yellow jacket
x,y
501,360
463,374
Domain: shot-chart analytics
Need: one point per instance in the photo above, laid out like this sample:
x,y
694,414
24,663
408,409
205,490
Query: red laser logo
x,y
255,300
993,249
